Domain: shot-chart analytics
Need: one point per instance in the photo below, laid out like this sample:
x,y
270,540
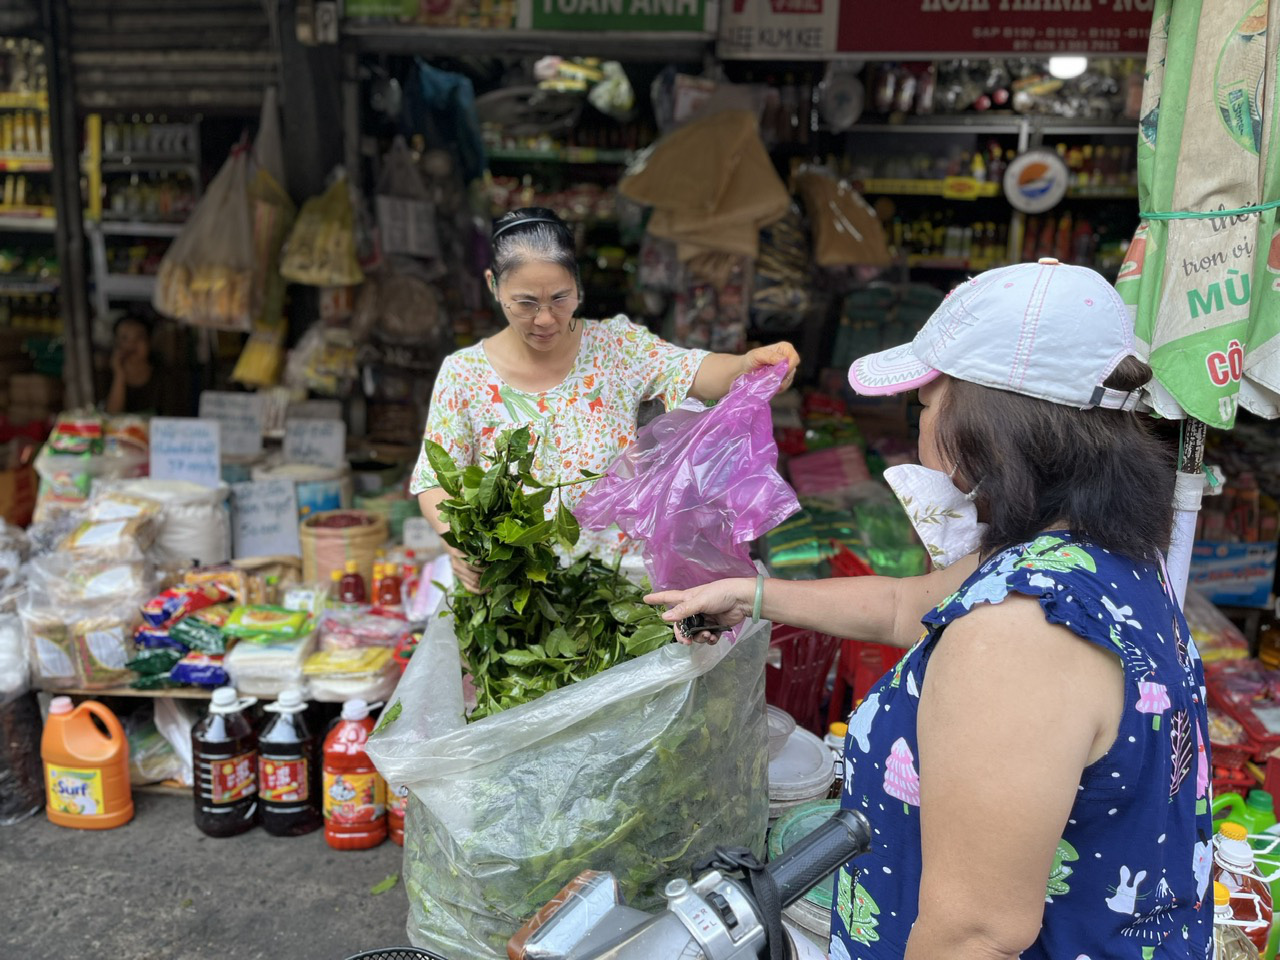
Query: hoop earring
x,y
573,324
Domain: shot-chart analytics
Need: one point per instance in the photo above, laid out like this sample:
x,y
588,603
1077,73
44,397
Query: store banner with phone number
x,y
905,28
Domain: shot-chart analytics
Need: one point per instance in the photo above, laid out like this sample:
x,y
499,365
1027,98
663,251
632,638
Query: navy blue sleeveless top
x,y
1131,872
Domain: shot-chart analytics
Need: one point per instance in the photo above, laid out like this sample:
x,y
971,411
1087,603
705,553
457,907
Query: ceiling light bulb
x,y
1067,68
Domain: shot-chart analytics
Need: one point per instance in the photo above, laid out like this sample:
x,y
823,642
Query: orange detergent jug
x,y
86,769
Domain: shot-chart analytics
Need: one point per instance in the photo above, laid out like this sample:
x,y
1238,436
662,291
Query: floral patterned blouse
x,y
582,424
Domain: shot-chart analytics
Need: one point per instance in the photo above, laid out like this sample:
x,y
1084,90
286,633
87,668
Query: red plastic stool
x,y
798,685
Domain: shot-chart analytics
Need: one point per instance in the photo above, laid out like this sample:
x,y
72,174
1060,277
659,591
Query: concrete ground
x,y
159,889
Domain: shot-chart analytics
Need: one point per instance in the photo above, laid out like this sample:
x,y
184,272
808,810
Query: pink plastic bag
x,y
698,486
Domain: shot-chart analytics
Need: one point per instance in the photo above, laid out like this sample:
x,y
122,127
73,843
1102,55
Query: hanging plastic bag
x,y
321,250
406,218
273,214
698,486
642,769
206,276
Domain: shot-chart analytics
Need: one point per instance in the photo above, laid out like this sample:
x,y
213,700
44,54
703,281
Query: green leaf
x,y
509,530
521,599
382,886
520,658
442,464
535,534
472,476
567,530
489,485
390,716
647,639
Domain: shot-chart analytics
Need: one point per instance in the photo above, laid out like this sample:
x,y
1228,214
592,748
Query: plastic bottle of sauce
x,y
1233,867
388,595
289,770
225,753
397,804
835,742
1229,941
351,589
86,770
355,797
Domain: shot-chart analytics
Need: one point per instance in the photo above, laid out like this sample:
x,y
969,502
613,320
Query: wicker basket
x,y
327,547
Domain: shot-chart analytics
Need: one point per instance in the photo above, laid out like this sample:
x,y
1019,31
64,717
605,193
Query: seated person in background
x,y
137,383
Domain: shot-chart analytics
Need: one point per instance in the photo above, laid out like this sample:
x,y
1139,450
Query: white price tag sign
x,y
241,417
186,448
265,519
319,442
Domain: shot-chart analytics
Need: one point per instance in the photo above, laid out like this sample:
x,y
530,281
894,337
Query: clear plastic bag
x,y
642,769
698,486
321,250
206,276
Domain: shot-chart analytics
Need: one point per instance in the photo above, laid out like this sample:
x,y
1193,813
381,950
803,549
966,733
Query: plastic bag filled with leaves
x,y
641,770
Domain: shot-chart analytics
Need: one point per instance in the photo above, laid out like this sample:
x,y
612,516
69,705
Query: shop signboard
x,y
1234,574
641,16
932,27
319,442
265,520
781,28
927,28
186,448
241,417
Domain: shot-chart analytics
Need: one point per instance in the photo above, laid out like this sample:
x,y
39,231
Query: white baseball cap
x,y
1045,329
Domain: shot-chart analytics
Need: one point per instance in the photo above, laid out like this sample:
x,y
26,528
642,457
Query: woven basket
x,y
329,548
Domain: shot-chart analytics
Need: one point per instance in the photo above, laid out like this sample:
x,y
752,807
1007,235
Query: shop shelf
x,y
131,164
1103,193
919,262
20,287
581,155
182,693
951,188
24,101
25,163
23,222
165,789
138,228
127,286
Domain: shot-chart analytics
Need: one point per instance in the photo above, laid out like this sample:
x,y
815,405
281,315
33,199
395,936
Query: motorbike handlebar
x,y
845,836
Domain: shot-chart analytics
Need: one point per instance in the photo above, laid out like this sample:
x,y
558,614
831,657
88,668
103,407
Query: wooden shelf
x,y
25,163
166,789
181,693
578,155
24,101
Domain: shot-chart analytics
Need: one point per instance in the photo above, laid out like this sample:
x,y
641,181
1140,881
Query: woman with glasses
x,y
577,383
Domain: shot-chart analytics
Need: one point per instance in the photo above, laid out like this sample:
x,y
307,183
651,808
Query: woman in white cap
x,y
577,384
1035,768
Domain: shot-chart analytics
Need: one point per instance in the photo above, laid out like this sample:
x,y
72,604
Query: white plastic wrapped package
x,y
267,669
174,720
336,676
641,770
65,579
13,656
49,646
194,528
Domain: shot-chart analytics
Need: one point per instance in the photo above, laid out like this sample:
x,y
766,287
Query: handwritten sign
x,y
241,417
315,410
320,442
185,448
265,519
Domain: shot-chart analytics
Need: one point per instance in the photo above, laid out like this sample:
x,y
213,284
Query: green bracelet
x,y
756,607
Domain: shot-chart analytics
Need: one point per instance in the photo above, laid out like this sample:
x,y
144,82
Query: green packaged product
x,y
199,634
155,662
262,619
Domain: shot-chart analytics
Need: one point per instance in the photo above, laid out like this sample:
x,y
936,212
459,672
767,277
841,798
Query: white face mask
x,y
945,518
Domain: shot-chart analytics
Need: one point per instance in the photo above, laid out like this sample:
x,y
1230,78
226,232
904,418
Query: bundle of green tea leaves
x,y
539,625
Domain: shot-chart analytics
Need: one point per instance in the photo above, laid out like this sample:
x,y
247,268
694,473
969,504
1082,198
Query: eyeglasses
x,y
561,308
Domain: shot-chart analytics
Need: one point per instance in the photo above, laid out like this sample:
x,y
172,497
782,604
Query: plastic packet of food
x,y
52,655
335,676
120,539
200,670
264,669
308,598
179,601
67,579
262,619
147,637
1224,729
198,634
103,645
349,629
151,757
232,582
154,663
114,505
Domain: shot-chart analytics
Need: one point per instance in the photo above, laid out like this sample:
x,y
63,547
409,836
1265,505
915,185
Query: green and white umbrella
x,y
1200,275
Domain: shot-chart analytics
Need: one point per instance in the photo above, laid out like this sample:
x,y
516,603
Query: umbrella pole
x,y
1187,493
